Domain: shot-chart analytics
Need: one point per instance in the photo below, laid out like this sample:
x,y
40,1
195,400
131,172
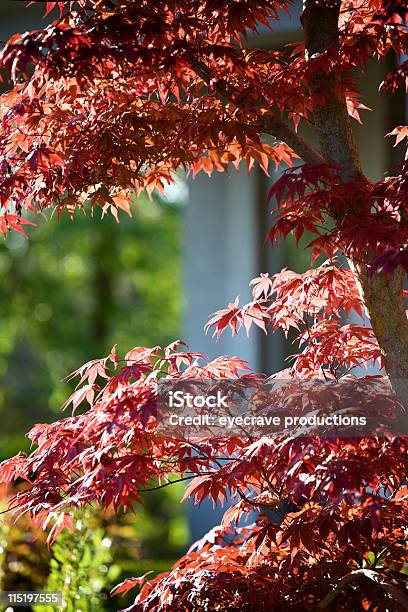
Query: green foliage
x,y
66,295
103,550
82,568
71,292
148,539
24,556
4,532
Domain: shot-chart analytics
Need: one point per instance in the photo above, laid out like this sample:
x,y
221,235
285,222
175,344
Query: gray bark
x,y
382,295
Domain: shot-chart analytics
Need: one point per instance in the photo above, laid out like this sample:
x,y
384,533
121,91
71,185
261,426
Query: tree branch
x,y
382,296
270,124
389,588
333,126
172,482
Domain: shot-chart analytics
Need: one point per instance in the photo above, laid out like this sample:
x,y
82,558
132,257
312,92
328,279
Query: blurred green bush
x,y
66,296
73,290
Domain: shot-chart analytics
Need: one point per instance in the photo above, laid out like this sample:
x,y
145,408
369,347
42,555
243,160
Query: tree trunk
x,y
383,297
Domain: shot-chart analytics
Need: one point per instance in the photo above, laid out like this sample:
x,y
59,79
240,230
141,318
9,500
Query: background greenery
x,y
72,291
66,296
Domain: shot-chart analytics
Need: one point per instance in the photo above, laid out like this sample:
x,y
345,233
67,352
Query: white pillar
x,y
221,257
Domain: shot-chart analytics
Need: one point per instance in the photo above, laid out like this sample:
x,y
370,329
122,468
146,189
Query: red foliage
x,y
328,494
314,304
118,99
102,72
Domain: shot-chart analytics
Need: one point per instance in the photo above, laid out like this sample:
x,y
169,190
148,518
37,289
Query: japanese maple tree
x,y
112,98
